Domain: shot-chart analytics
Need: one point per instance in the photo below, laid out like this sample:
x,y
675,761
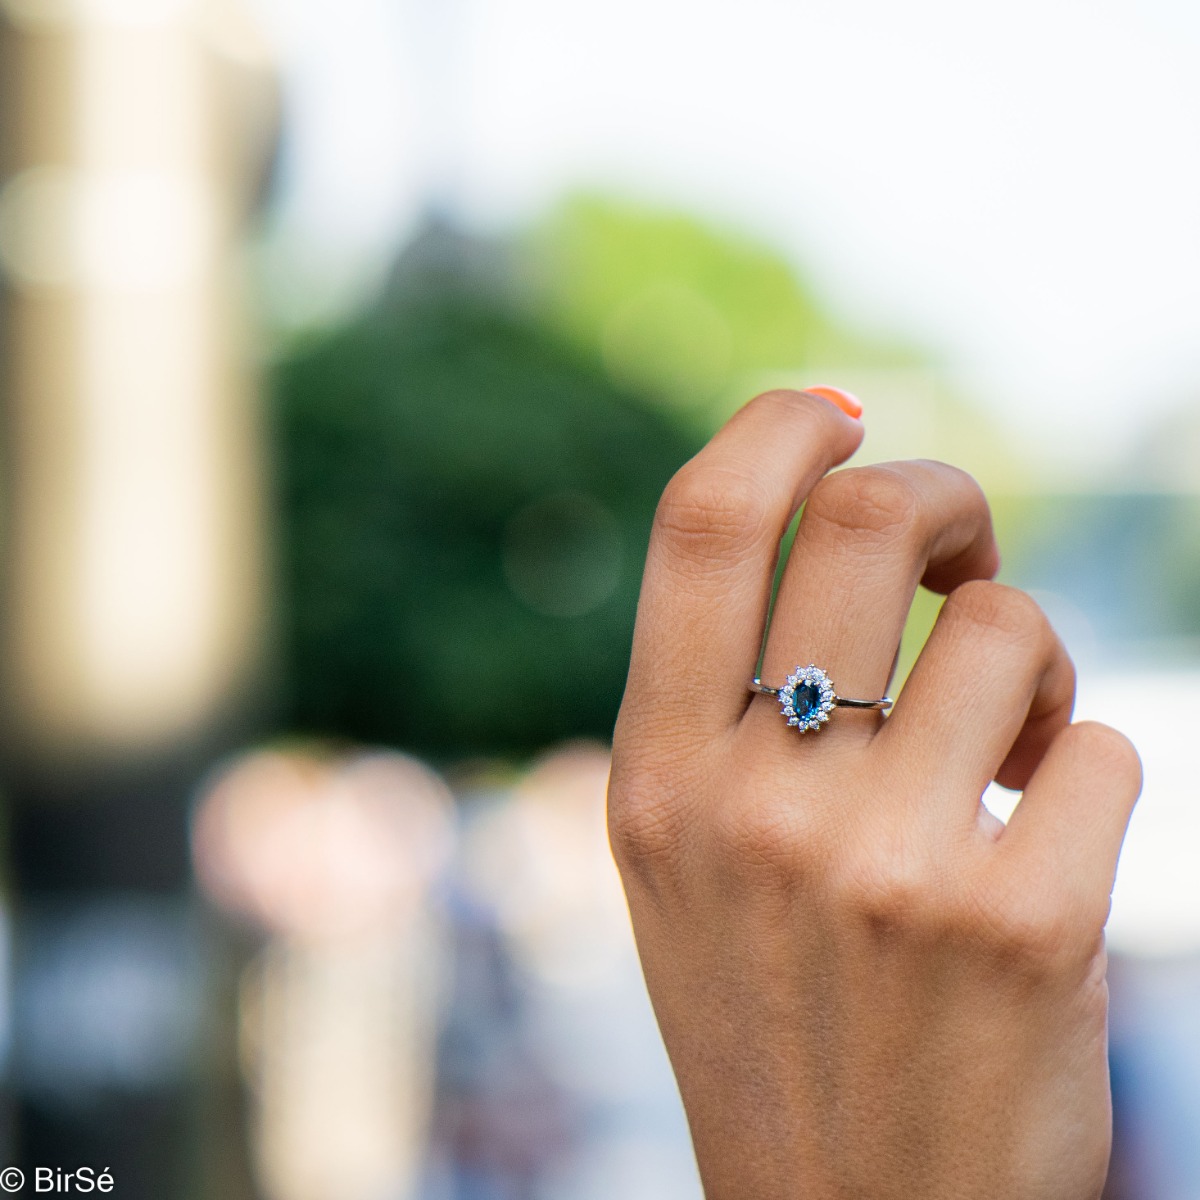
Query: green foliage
x,y
680,310
466,508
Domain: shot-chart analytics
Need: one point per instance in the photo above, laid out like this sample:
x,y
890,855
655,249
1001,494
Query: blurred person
x,y
553,1080
332,862
867,984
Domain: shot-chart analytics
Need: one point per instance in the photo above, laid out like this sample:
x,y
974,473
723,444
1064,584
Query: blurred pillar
x,y
134,133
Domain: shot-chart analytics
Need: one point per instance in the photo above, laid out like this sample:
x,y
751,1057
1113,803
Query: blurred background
x,y
344,350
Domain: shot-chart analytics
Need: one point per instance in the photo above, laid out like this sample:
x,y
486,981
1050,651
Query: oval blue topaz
x,y
806,701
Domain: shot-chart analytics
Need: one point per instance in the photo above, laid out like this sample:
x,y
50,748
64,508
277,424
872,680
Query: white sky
x,y
1017,185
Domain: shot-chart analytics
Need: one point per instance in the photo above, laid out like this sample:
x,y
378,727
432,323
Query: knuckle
x,y
1043,934
640,823
1111,753
708,513
875,502
999,610
759,832
645,821
890,889
644,833
1037,930
963,483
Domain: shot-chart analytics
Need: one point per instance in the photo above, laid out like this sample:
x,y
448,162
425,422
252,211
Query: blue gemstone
x,y
806,701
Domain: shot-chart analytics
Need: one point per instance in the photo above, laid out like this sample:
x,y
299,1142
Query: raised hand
x,y
867,985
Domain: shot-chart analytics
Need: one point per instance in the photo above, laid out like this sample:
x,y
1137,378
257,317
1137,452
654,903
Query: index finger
x,y
712,557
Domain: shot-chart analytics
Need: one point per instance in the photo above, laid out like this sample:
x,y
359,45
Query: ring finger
x,y
867,537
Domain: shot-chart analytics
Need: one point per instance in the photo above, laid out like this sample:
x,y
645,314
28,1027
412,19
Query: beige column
x,y
133,536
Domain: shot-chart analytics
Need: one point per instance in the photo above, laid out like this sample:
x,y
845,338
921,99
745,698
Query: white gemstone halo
x,y
817,698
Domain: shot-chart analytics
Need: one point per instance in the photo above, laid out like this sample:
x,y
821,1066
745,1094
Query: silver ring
x,y
808,697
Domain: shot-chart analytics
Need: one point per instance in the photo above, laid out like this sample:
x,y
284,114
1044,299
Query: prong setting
x,y
807,698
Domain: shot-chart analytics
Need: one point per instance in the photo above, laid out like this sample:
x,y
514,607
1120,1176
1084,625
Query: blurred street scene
x,y
344,352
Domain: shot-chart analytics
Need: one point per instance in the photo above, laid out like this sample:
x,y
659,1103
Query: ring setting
x,y
808,697
806,700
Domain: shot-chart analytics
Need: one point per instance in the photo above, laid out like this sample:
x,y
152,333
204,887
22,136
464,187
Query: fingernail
x,y
846,401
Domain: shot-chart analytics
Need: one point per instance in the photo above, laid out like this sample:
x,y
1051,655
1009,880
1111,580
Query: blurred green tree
x,y
682,311
466,504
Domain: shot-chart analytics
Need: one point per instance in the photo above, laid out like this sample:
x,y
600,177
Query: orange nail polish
x,y
846,401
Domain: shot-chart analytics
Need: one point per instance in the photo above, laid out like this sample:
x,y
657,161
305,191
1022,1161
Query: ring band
x,y
808,697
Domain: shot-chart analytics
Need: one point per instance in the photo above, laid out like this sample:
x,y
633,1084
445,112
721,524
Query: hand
x,y
867,985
